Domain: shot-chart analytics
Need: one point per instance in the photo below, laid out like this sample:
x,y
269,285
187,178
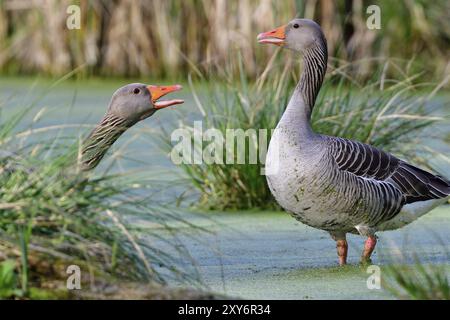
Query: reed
x,y
164,38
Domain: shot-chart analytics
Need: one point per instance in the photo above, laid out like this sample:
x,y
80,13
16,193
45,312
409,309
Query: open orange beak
x,y
158,92
275,36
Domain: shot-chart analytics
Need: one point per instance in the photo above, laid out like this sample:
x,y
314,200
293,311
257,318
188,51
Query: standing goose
x,y
334,184
129,105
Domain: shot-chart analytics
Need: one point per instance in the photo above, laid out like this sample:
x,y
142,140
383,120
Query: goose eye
x,y
296,26
136,91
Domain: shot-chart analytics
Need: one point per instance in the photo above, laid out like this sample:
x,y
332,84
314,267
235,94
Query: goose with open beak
x,y
129,105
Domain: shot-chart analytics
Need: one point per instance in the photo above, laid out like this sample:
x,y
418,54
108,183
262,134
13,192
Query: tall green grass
x,y
411,277
418,281
51,216
387,113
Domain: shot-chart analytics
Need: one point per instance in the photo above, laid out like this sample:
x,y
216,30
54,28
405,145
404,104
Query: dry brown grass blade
x,y
130,237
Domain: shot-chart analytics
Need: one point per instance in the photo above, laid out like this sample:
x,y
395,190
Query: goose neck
x,y
299,110
101,139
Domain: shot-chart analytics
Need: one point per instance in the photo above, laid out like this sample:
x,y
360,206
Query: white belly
x,y
291,170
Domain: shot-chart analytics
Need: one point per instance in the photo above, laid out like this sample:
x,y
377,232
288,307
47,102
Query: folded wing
x,y
369,162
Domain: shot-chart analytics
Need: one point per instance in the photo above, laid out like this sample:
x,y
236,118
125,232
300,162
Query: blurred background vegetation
x,y
165,38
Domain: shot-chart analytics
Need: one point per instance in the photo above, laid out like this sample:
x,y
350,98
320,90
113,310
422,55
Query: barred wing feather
x,y
366,161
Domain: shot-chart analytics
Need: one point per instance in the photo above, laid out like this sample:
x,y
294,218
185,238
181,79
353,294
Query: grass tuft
x,y
417,281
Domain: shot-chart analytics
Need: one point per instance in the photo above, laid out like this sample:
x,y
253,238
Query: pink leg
x,y
369,246
342,249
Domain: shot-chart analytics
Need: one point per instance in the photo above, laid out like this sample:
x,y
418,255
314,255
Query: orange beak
x,y
275,36
158,92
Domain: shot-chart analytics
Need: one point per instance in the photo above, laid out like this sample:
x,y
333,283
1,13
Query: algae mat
x,y
269,255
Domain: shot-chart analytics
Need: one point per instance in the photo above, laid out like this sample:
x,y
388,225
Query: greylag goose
x,y
129,105
334,184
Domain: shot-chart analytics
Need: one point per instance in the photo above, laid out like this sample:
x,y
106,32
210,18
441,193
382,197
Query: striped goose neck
x,y
100,140
314,68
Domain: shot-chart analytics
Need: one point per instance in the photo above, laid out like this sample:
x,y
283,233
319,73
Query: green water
x,y
269,255
248,254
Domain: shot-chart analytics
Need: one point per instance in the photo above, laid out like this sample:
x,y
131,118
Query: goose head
x,y
135,102
298,35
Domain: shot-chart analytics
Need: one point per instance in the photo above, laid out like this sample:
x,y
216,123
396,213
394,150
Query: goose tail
x,y
411,212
